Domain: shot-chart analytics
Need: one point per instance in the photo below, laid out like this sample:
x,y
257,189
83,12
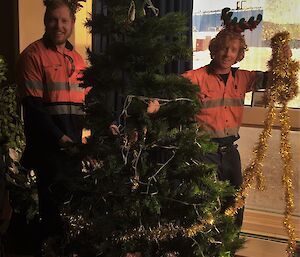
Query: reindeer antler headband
x,y
74,5
241,25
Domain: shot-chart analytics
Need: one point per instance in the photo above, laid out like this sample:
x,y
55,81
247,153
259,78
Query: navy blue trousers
x,y
54,170
228,162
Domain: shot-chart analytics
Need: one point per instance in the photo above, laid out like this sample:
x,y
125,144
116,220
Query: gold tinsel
x,y
281,88
167,231
77,223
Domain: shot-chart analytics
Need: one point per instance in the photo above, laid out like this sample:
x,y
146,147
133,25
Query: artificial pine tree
x,y
150,192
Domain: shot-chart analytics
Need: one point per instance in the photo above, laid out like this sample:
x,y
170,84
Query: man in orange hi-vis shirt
x,y
48,78
222,93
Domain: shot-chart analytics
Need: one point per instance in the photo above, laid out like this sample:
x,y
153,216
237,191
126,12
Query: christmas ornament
x,y
132,10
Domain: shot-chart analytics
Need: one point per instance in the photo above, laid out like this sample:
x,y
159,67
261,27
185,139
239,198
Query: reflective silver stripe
x,y
222,133
223,102
64,86
38,85
234,102
65,109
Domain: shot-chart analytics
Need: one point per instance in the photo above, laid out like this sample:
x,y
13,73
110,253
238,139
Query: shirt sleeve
x,y
30,87
191,76
261,80
257,80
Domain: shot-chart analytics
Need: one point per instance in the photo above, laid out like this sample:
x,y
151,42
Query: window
x,y
278,15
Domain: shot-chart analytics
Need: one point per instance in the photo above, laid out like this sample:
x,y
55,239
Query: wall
x,y
82,37
31,26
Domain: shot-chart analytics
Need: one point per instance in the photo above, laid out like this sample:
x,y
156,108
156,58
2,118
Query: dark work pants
x,y
228,162
54,170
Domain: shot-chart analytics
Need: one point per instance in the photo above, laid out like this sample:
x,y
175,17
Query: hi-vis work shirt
x,y
222,104
52,98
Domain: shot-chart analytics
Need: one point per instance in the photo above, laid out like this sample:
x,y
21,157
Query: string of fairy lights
x,y
162,231
128,140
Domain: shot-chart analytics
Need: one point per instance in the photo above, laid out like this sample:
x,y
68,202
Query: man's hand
x,y
67,145
65,141
153,106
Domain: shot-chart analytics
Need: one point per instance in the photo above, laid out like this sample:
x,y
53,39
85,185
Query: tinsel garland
x,y
167,231
281,87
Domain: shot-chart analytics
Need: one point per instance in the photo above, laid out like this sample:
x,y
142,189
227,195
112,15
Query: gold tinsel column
x,y
281,88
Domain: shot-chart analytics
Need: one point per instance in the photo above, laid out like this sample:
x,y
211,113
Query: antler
x,y
242,25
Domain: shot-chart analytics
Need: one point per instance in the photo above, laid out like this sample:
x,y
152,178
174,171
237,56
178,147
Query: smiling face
x,y
59,24
226,49
226,56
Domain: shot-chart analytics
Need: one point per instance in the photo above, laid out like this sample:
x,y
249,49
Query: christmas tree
x,y
149,194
